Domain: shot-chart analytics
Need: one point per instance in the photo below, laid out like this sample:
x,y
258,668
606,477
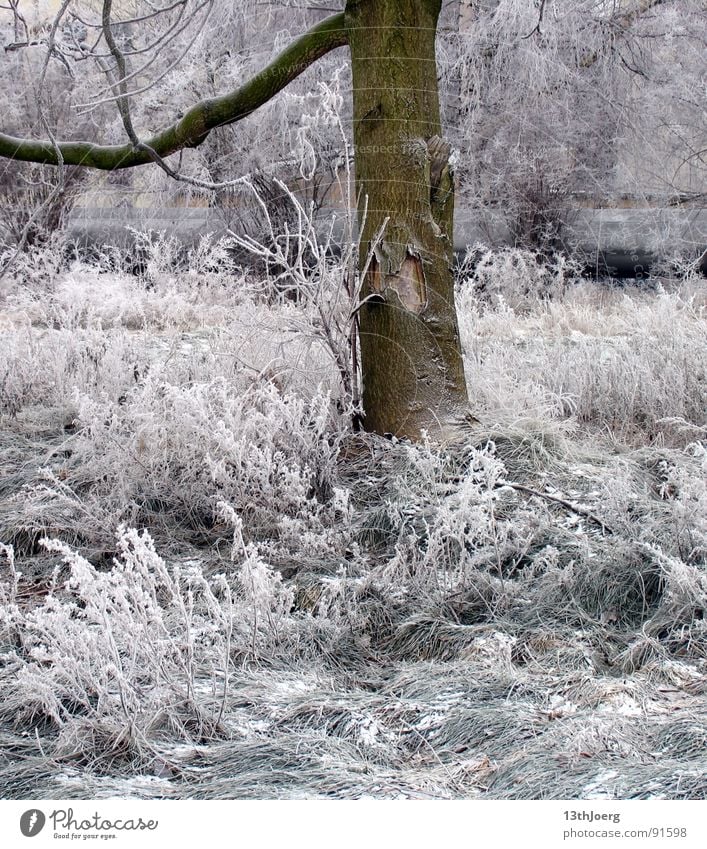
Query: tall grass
x,y
210,586
625,362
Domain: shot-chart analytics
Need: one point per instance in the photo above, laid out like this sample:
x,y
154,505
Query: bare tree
x,y
578,100
413,377
33,198
533,79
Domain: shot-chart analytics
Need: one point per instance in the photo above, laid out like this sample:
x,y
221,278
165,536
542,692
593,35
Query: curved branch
x,y
197,123
119,86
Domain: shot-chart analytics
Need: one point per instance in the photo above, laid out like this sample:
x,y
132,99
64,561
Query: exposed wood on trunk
x,y
413,373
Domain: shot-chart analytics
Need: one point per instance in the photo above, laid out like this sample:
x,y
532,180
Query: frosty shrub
x,y
518,277
264,617
38,266
319,272
111,658
176,451
153,282
117,660
46,368
629,363
447,533
437,519
687,495
97,330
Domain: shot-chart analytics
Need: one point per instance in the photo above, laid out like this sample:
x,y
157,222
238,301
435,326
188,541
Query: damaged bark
x,y
413,376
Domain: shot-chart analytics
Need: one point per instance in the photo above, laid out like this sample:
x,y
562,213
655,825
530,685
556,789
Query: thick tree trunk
x,y
413,376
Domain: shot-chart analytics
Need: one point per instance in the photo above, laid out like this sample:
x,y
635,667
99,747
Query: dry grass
x,y
312,613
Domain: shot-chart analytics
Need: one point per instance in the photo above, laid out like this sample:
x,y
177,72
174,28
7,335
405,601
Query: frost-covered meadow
x,y
211,587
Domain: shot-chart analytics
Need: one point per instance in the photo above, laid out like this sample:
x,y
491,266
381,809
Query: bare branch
x,y
162,41
200,120
19,20
119,86
623,22
19,45
536,28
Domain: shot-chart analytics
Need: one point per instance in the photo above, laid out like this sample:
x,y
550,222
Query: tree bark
x,y
413,374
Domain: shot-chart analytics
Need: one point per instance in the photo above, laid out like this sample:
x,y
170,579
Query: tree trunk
x,y
413,375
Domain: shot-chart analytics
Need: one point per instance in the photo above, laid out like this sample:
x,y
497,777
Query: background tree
x,y
578,102
34,201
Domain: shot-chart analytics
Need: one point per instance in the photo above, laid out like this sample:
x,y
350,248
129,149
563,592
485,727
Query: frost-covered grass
x,y
626,362
210,587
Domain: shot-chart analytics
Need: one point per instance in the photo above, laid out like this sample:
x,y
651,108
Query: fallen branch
x,y
575,508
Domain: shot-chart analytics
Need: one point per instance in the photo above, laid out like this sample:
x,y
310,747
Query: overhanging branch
x,y
200,120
